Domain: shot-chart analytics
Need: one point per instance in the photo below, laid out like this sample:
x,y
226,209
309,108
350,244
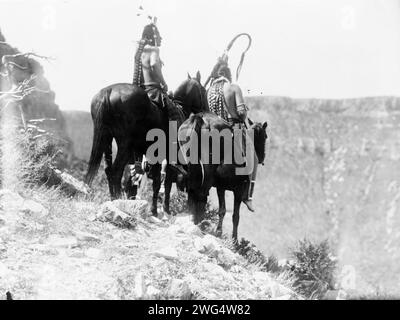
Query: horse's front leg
x,y
221,210
235,218
156,187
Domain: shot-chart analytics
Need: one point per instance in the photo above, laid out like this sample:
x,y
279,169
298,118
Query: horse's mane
x,y
185,89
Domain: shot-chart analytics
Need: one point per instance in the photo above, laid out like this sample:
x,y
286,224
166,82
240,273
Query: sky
x,y
301,48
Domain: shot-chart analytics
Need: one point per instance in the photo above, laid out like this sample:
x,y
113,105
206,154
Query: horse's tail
x,y
100,105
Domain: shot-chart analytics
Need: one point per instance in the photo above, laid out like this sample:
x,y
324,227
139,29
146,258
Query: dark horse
x,y
202,176
125,113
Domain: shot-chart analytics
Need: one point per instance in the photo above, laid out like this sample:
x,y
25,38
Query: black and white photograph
x,y
207,150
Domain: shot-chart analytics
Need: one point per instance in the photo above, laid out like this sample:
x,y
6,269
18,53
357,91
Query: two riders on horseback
x,y
225,98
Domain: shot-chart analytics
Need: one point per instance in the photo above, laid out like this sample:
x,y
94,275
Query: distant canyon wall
x,y
332,171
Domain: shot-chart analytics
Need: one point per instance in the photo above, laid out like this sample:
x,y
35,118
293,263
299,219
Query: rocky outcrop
x,y
40,103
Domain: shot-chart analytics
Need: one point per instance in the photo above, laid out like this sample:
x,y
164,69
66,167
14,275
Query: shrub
x,y
313,268
39,152
211,213
255,256
178,203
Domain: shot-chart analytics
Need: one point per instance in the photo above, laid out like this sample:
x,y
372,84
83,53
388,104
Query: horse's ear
x,y
189,77
198,76
265,125
250,122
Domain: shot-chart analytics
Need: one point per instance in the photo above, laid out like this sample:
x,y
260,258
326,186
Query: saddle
x,y
160,99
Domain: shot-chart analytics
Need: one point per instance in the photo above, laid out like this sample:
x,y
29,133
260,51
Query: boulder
x,y
152,293
226,258
190,229
183,220
208,244
167,253
133,207
34,208
68,183
178,289
156,221
111,213
86,237
62,242
216,273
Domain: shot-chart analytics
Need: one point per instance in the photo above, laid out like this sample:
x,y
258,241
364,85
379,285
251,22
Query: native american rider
x,y
148,75
226,100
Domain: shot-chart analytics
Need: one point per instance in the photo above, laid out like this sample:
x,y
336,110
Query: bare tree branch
x,y
28,54
15,64
22,90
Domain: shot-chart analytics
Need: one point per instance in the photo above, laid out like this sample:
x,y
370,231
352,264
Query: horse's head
x,y
192,95
260,137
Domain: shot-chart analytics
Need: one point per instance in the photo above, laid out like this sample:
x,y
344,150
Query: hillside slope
x,y
332,171
58,248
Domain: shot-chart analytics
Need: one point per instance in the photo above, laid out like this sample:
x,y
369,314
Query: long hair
x,y
221,68
225,71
